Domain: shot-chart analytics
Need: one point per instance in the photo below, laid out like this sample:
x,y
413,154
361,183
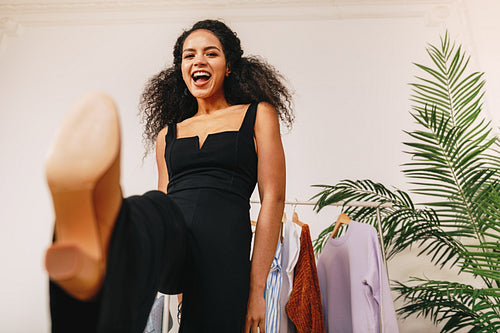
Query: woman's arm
x,y
160,161
271,183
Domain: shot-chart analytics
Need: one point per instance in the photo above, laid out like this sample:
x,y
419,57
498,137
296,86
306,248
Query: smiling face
x,y
204,66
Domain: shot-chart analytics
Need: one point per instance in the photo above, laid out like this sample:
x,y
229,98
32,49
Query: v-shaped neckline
x,y
197,137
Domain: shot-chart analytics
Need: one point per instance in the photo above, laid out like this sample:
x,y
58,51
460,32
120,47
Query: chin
x,y
202,94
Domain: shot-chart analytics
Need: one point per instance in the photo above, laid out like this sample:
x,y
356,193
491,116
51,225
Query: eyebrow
x,y
205,49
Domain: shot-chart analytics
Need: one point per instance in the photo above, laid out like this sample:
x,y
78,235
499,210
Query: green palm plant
x,y
455,164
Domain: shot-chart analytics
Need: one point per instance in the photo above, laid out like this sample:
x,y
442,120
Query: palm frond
x,y
457,305
455,165
403,224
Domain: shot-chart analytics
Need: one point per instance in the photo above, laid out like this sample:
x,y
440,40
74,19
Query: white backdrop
x,y
348,61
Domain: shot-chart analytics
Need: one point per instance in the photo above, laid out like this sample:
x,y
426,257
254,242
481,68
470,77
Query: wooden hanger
x,y
342,219
295,218
254,223
283,221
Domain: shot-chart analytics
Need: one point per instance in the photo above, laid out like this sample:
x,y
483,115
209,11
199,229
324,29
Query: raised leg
x,y
110,255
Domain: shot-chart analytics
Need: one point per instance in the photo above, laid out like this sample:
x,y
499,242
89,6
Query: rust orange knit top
x,y
304,306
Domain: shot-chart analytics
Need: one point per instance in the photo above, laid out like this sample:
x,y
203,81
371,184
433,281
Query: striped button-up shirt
x,y
272,293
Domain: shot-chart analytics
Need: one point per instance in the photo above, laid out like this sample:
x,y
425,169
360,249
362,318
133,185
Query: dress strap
x,y
249,120
171,133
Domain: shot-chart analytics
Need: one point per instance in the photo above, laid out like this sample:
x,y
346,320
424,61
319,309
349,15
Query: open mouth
x,y
201,77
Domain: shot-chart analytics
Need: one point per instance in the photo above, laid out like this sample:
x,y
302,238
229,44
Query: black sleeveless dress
x,y
212,186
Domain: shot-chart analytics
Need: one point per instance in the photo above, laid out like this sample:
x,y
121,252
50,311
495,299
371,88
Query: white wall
x,y
348,61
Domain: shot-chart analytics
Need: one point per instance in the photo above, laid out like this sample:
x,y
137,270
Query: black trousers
x,y
147,254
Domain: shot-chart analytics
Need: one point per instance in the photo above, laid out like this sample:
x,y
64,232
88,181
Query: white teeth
x,y
202,73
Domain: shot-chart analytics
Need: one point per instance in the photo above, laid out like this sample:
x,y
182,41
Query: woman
x,y
215,85
214,118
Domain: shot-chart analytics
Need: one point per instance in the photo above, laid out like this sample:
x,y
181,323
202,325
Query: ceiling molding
x,y
78,12
8,28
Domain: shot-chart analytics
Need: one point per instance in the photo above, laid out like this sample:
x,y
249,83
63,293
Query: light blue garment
x,y
272,293
155,319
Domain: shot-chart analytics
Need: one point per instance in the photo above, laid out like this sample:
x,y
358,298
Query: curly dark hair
x,y
167,100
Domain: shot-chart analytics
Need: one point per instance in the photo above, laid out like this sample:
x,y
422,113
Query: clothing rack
x,y
372,204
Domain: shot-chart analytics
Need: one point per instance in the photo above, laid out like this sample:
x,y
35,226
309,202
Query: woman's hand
x,y
256,313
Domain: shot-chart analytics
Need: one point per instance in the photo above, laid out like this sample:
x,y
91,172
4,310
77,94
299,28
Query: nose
x,y
200,60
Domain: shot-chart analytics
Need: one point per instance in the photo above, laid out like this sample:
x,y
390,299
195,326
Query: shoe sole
x,y
85,153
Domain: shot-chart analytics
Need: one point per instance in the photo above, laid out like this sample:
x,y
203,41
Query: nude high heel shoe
x,y
83,174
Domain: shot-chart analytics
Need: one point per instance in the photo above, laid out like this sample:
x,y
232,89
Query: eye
x,y
212,54
188,56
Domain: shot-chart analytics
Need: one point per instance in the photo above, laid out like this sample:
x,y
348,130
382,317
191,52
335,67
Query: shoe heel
x,y
74,270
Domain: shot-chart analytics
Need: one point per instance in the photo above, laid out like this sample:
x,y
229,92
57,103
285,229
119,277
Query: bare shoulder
x,y
266,108
266,116
268,140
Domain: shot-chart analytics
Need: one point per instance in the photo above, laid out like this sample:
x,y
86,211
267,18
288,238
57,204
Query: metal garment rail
x,y
372,204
